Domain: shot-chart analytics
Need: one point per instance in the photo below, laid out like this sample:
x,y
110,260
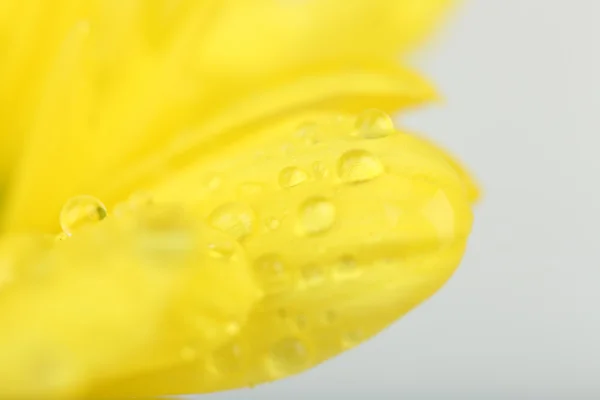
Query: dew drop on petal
x,y
237,219
357,166
81,211
287,356
316,215
292,176
374,124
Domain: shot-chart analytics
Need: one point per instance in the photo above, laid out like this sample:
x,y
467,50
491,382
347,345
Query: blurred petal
x,y
134,293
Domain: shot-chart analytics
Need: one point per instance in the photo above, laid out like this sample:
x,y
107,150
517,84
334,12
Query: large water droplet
x,y
373,124
359,166
287,356
81,211
292,176
316,215
234,218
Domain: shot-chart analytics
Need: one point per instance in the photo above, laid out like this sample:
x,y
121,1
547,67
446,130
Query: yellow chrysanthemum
x,y
229,216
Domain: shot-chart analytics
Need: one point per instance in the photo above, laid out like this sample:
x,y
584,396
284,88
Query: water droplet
x,y
234,218
312,275
347,268
316,215
287,356
359,166
272,223
81,211
352,338
320,170
374,124
292,176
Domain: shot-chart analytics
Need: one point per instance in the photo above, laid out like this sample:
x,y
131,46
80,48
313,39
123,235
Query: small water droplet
x,y
81,211
347,268
234,218
292,176
374,124
352,338
287,356
357,166
316,215
312,275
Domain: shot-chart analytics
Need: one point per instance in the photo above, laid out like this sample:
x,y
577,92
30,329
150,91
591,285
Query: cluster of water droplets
x,y
316,215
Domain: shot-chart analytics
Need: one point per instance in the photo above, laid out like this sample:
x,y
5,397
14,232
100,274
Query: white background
x,y
521,318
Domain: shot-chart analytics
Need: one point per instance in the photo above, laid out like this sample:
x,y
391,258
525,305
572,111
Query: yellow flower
x,y
228,215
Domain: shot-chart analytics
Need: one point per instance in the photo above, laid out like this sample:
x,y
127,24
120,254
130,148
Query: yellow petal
x,y
131,294
346,232
139,107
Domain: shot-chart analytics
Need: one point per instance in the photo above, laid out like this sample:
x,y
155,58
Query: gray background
x,y
521,318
